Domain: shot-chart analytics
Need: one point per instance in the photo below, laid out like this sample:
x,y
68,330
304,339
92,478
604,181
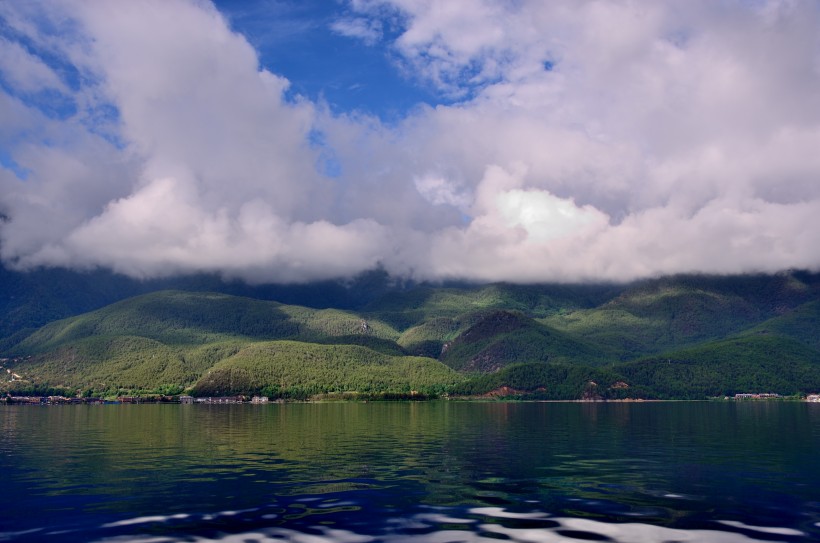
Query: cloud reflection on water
x,y
433,525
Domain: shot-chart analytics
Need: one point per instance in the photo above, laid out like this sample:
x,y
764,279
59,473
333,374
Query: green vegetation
x,y
220,344
802,324
728,367
673,337
297,370
110,365
407,308
669,313
189,318
500,338
550,382
429,337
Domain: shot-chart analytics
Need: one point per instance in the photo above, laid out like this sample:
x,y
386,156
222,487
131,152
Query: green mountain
x,y
301,369
802,324
715,369
672,337
28,300
754,363
499,338
193,318
172,339
551,381
667,313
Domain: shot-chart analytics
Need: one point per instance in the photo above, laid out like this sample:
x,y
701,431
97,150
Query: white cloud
x,y
164,229
593,140
25,71
437,190
369,31
544,216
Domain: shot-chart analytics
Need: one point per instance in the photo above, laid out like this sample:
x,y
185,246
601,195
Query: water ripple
x,y
440,525
411,473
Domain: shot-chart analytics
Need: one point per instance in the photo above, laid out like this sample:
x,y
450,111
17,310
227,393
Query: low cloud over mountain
x,y
569,140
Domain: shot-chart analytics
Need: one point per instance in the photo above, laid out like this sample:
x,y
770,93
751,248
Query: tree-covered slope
x,y
112,365
551,381
191,318
297,369
755,363
685,336
415,306
801,324
671,312
715,369
501,338
29,299
173,340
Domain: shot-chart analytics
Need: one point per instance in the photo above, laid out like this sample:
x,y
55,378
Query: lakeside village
x,y
153,398
225,400
63,400
240,399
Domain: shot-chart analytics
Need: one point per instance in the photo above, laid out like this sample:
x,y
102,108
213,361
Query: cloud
x,y
574,140
438,191
164,229
24,71
369,31
544,216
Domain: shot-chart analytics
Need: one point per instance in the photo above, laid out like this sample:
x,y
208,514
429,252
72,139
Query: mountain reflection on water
x,y
416,472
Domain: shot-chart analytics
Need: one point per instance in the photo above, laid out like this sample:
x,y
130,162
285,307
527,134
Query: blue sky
x,y
486,140
297,40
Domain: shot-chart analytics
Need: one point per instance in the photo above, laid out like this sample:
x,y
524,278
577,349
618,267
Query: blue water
x,y
415,472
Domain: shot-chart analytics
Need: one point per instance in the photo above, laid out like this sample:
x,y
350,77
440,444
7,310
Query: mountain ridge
x,y
469,337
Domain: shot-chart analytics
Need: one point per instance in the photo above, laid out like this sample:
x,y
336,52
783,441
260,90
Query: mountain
x,y
33,298
656,315
299,370
195,318
754,363
672,337
172,338
802,324
499,338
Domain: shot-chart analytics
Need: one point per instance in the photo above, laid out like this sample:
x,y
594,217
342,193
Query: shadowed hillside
x,y
28,300
500,338
657,315
727,367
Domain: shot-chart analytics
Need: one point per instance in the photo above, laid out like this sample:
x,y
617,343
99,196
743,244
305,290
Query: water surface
x,y
417,472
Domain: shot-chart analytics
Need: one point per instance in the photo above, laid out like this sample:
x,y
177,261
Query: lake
x,y
412,472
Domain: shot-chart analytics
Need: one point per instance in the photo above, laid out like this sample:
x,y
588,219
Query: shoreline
x,y
60,400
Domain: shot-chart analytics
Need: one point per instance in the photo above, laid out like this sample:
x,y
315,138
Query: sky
x,y
484,140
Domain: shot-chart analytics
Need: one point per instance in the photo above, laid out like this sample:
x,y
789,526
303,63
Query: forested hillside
x,y
33,298
673,337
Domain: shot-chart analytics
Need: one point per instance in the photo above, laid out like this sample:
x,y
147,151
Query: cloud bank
x,y
574,141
